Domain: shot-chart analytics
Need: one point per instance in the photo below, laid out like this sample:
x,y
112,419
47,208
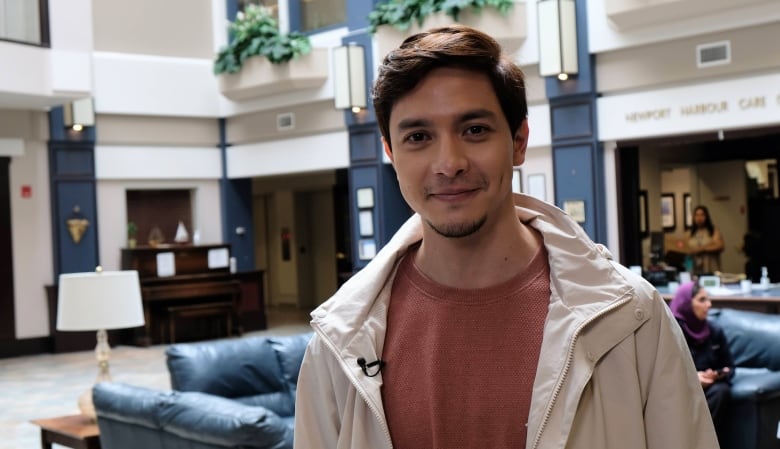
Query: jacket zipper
x,y
565,372
361,391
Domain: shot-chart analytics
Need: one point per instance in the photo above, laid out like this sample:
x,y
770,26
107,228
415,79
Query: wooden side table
x,y
75,431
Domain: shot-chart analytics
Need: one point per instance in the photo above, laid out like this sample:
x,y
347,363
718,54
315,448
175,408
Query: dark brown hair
x,y
456,46
707,221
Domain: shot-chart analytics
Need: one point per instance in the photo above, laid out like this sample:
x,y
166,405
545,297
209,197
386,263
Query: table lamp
x,y
99,300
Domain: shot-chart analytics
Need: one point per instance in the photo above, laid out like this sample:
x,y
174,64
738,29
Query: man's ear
x,y
388,150
520,144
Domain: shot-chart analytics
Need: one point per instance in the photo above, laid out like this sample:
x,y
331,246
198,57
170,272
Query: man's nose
x,y
451,158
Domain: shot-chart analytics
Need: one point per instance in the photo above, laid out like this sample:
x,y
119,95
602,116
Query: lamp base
x,y
86,406
102,351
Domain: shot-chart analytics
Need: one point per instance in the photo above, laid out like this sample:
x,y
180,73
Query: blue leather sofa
x,y
754,341
237,393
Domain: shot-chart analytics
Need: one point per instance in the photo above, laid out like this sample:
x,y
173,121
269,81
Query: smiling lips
x,y
451,194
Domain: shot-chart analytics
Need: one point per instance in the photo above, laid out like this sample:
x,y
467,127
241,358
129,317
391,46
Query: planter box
x,y
510,31
259,78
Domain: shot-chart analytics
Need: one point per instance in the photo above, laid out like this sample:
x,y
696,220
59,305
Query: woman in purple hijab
x,y
708,345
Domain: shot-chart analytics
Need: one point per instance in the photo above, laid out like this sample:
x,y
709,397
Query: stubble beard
x,y
458,230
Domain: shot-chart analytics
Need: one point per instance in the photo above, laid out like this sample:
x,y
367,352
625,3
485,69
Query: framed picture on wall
x,y
667,212
688,210
643,224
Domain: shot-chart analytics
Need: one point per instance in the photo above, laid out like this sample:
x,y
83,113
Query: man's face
x,y
453,151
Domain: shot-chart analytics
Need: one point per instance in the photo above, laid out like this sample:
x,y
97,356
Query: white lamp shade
x,y
557,37
99,300
349,77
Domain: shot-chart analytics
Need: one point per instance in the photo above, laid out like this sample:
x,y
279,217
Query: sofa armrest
x,y
127,403
223,422
755,385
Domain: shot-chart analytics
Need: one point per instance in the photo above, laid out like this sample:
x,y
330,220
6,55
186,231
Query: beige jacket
x,y
614,370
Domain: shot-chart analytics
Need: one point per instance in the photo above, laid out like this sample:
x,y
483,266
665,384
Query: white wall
x,y
31,232
155,85
610,189
604,36
326,151
157,162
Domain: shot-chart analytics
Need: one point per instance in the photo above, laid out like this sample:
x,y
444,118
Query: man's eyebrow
x,y
413,123
464,117
476,113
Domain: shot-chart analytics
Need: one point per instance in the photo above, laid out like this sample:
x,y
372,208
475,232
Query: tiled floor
x,y
48,385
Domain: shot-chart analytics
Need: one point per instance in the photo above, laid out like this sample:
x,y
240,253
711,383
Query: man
x,y
490,319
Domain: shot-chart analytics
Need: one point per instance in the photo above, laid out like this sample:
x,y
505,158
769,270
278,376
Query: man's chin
x,y
457,229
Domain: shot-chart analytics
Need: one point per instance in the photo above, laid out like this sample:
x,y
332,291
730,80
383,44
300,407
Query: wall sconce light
x,y
557,38
349,77
79,114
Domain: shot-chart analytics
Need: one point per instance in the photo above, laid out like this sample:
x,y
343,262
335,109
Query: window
x,y
309,15
24,21
273,5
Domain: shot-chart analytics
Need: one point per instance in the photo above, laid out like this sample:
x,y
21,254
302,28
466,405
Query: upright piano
x,y
194,282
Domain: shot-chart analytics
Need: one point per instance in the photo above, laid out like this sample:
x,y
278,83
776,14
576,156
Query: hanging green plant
x,y
255,32
402,13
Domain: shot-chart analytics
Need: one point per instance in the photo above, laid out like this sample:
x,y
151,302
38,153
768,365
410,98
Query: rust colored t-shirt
x,y
460,363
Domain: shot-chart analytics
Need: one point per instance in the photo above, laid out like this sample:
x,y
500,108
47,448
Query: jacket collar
x,y
361,305
582,280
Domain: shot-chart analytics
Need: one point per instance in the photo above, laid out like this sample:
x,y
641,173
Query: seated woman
x,y
708,346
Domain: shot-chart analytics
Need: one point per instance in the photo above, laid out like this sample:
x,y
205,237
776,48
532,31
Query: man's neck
x,y
490,256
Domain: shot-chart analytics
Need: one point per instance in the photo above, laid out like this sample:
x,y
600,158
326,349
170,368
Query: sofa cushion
x,y
752,337
232,368
223,422
755,384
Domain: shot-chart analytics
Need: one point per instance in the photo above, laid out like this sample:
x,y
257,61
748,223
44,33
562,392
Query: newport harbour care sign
x,y
722,105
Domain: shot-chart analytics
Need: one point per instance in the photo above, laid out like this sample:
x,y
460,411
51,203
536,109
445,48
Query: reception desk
x,y
766,301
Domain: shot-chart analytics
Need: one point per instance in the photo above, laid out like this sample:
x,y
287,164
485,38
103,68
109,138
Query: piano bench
x,y
223,310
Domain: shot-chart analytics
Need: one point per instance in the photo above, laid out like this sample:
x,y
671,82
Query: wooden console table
x,y
76,431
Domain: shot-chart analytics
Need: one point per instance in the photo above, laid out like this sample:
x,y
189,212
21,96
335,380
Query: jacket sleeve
x,y
316,407
676,412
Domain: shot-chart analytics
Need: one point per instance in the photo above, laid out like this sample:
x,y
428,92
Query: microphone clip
x,y
365,366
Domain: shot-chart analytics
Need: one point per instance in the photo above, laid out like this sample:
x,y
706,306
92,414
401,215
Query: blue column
x,y
367,169
237,219
578,164
73,196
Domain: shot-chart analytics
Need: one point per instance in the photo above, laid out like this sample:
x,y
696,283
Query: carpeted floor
x,y
48,385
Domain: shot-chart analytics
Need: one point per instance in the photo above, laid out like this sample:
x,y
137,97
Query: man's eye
x,y
476,129
416,137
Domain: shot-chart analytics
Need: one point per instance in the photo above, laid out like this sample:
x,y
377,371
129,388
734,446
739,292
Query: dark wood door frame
x,y
627,161
7,321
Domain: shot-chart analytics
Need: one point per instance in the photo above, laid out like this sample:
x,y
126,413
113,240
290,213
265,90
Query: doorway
x,y
734,177
7,321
